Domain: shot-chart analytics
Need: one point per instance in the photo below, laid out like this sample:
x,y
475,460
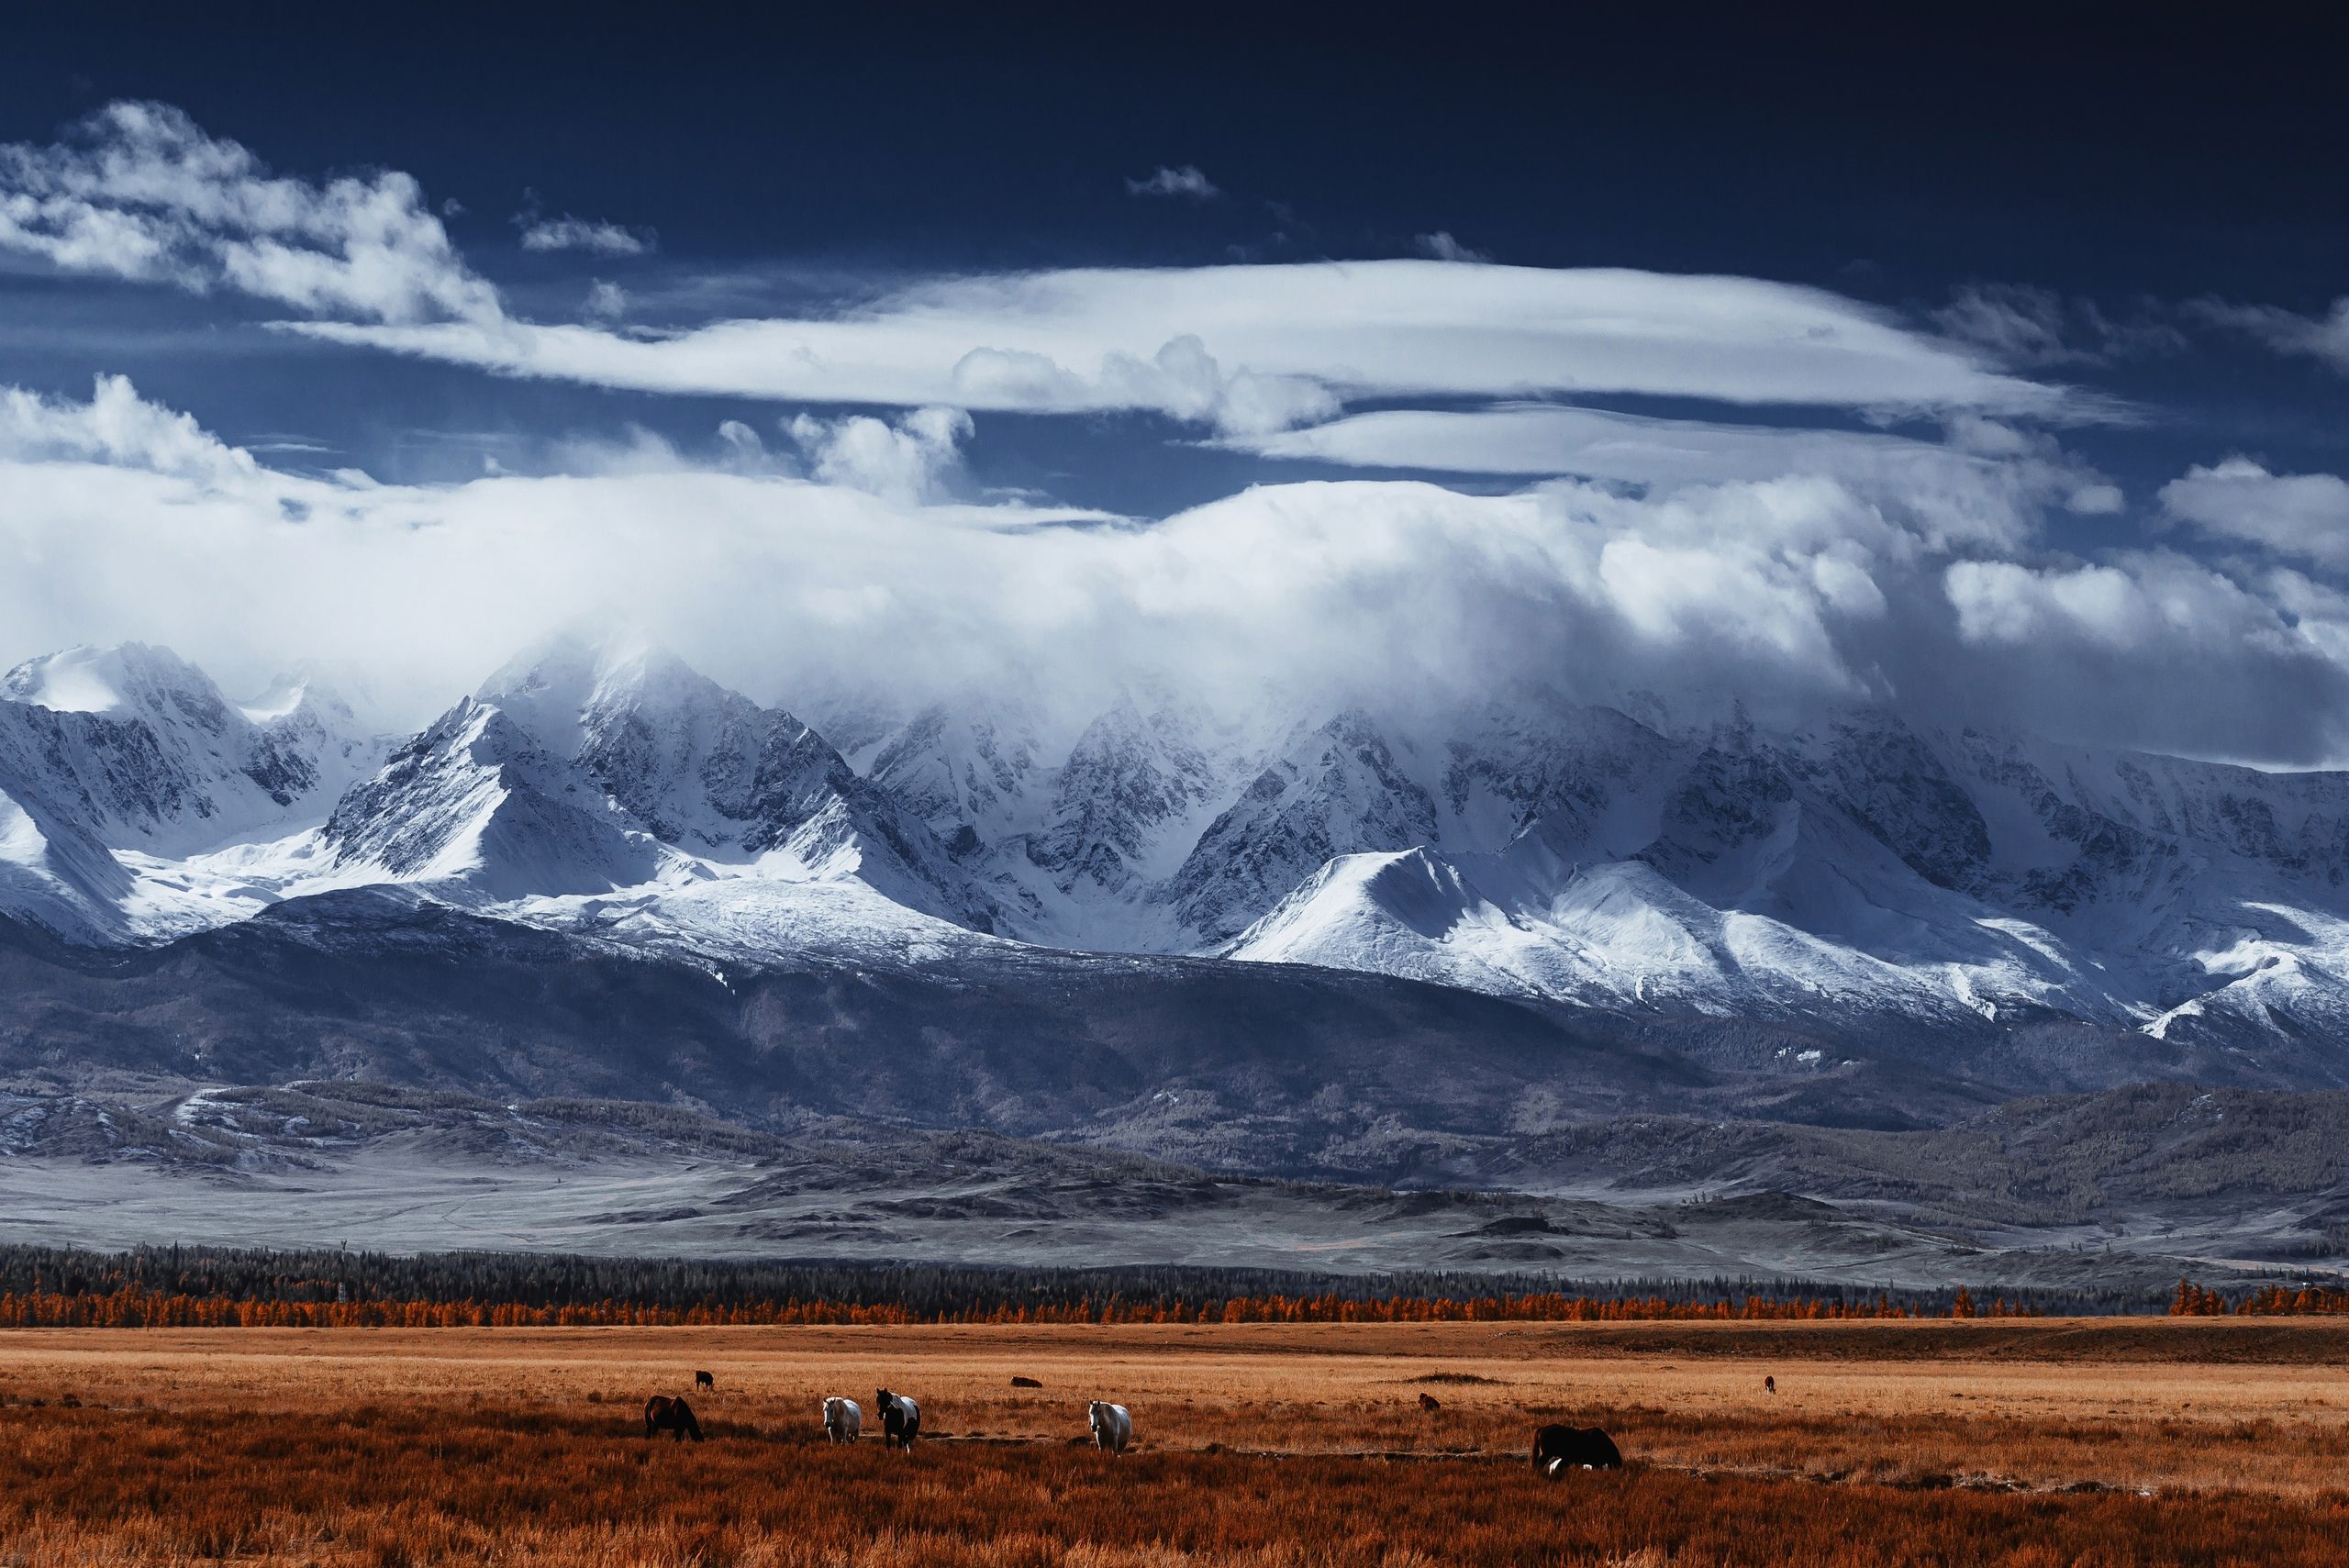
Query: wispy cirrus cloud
x,y
2325,338
1186,182
1442,247
2037,327
593,236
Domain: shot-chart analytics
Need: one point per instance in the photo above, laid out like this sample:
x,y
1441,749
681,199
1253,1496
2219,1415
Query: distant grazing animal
x,y
703,1380
1113,1427
1770,1385
900,1420
662,1414
1431,1404
843,1419
1557,1449
1025,1383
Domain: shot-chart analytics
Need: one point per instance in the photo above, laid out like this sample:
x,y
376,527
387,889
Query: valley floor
x,y
1083,1209
2101,1441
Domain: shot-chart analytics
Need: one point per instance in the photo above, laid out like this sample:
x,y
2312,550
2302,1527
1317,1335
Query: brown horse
x,y
703,1380
1558,1448
662,1414
1431,1404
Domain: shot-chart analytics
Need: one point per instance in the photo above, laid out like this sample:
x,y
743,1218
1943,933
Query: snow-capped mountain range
x,y
1859,871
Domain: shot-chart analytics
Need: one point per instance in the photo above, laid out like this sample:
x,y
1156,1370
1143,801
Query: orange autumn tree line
x,y
132,1307
2268,1301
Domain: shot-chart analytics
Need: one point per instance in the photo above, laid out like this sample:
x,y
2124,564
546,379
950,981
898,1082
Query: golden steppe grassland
x,y
2135,1440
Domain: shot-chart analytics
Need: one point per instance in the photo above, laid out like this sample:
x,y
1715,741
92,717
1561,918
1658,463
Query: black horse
x,y
703,1380
900,1420
662,1414
1557,1449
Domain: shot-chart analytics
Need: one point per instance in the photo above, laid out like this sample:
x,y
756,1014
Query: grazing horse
x,y
1557,1449
900,1420
703,1380
662,1414
1770,1385
1431,1404
1113,1427
843,1419
1025,1383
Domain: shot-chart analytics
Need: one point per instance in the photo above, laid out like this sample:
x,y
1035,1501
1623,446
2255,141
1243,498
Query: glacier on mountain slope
x,y
1078,850
118,765
619,793
1860,868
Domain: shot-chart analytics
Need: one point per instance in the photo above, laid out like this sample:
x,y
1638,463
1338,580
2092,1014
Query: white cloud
x,y
140,191
1186,182
1784,592
2302,514
2000,601
2322,337
2022,326
909,462
1987,482
117,428
1442,247
2141,602
606,301
1258,347
2035,326
567,233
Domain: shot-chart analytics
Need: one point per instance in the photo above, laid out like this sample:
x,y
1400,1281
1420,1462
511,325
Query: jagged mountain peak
x,y
137,749
122,679
592,765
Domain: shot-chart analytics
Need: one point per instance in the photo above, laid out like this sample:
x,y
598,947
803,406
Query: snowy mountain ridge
x,y
1858,870
116,764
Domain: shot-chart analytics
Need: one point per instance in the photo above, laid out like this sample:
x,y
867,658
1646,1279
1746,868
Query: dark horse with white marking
x,y
664,1413
1557,1449
900,1420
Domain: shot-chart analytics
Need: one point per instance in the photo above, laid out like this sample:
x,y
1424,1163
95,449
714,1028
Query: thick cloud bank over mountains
x,y
1851,874
1879,569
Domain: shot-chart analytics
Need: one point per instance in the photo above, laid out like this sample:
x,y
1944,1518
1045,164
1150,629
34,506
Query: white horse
x,y
1113,1429
843,1419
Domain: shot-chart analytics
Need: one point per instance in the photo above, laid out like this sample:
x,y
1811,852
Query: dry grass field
x,y
2192,1441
